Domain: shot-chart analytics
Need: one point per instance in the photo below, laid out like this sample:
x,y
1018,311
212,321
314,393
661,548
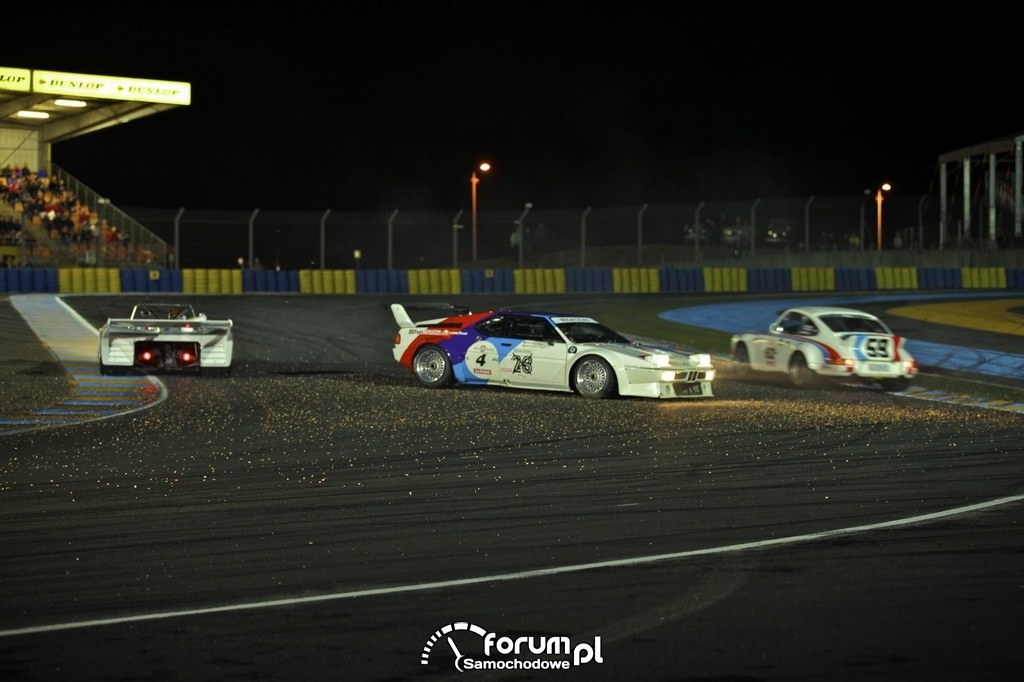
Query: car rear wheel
x,y
800,375
592,377
895,384
433,368
741,360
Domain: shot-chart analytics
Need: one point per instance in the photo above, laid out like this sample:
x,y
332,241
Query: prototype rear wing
x,y
136,327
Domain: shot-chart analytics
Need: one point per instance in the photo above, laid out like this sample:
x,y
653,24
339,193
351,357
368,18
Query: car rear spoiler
x,y
142,327
404,318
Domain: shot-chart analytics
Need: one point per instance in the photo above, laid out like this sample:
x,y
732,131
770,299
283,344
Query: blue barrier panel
x,y
471,281
764,279
846,279
49,279
497,281
681,279
587,280
938,278
668,280
140,280
174,282
25,277
366,282
288,280
41,280
398,282
780,279
250,279
852,279
576,280
1015,278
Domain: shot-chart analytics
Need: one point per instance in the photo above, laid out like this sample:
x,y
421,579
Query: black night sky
x,y
373,105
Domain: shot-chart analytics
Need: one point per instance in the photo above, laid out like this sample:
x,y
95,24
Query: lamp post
x,y
879,199
473,180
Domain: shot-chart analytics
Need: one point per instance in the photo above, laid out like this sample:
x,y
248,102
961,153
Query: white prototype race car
x,y
166,337
817,343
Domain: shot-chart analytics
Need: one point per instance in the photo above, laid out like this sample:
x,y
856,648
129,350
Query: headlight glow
x,y
701,359
657,359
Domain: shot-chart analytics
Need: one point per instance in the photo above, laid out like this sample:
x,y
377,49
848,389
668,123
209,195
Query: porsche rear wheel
x,y
592,377
433,368
895,384
800,375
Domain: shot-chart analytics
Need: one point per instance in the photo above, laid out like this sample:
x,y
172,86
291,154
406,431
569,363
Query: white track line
x,y
520,575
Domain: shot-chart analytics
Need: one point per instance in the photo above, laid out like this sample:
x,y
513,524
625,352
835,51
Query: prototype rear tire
x,y
592,377
433,368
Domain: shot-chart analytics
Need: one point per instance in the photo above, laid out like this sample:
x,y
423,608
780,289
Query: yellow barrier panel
x,y
188,281
237,286
813,279
64,281
316,281
332,283
724,279
530,280
633,280
895,278
202,277
452,281
554,280
78,280
518,278
305,281
345,281
114,280
90,280
983,278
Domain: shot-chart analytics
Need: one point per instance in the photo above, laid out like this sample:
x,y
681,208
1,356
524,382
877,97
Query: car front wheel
x,y
592,377
432,367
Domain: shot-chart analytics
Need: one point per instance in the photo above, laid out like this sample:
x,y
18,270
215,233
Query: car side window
x,y
800,325
531,328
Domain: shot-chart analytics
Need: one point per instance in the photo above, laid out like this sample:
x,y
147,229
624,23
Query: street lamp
x,y
878,199
483,167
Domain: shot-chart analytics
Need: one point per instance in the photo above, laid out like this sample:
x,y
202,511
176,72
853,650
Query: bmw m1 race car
x,y
166,337
548,351
814,344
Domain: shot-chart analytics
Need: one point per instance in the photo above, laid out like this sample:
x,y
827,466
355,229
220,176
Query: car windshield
x,y
588,331
854,323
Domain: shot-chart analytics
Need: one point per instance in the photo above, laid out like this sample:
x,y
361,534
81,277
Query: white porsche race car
x,y
817,343
166,337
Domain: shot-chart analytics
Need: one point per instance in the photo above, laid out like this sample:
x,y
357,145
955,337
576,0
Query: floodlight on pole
x,y
473,180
